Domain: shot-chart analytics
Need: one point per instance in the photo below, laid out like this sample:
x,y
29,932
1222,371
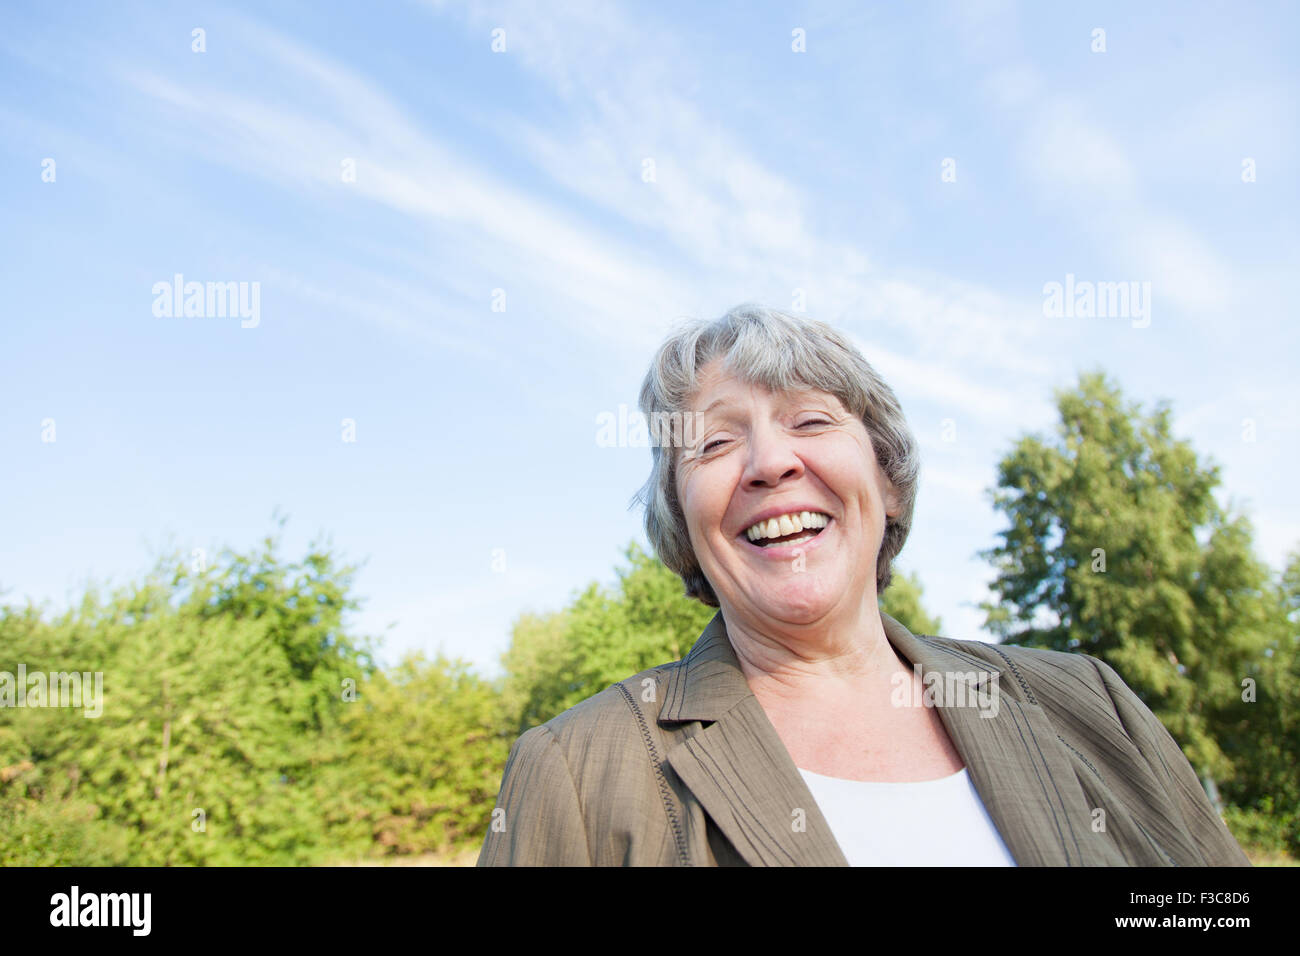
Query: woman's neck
x,y
848,657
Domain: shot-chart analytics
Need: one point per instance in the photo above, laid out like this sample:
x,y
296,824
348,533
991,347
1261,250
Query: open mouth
x,y
788,529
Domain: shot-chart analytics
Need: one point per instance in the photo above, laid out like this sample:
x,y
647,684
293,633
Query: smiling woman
x,y
782,738
813,384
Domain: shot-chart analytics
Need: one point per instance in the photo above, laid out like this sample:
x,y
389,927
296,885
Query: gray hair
x,y
762,346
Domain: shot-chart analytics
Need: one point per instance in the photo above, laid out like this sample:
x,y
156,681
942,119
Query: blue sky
x,y
778,175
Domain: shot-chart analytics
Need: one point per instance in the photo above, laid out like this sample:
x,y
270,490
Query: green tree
x,y
302,604
1264,721
44,820
902,602
1117,547
425,762
556,660
218,727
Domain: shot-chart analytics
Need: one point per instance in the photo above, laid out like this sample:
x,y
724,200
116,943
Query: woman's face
x,y
756,454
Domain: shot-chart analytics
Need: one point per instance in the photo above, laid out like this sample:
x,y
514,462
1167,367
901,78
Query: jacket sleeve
x,y
1168,763
537,820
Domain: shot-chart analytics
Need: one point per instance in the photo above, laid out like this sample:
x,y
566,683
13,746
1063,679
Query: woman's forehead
x,y
730,391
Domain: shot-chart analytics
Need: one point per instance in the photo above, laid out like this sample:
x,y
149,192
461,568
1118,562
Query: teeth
x,y
787,524
797,539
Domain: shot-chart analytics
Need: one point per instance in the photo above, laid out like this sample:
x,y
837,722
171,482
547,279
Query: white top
x,y
930,823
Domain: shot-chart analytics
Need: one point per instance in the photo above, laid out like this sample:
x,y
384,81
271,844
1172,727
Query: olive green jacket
x,y
679,766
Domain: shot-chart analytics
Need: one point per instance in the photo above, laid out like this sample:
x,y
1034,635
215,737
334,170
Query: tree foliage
x,y
556,660
210,736
240,724
1117,547
902,601
425,761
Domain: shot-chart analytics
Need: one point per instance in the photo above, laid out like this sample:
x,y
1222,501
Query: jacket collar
x,y
737,767
709,681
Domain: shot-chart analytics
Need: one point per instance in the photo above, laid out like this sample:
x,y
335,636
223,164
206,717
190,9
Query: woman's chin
x,y
798,602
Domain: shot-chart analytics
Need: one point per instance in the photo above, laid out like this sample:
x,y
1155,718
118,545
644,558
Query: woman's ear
x,y
893,500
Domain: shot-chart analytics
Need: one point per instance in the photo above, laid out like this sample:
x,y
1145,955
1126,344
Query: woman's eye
x,y
722,441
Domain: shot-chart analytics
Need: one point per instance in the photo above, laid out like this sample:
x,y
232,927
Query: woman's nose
x,y
772,458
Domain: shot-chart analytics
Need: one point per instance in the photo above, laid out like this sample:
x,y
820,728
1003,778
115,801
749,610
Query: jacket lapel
x,y
1018,765
742,774
736,765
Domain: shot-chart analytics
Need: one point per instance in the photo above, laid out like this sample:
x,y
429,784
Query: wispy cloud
x,y
401,166
729,216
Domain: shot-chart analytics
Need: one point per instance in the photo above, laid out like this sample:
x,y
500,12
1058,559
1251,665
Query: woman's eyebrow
x,y
720,408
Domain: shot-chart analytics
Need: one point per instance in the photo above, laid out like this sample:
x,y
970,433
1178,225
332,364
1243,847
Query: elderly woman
x,y
805,727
